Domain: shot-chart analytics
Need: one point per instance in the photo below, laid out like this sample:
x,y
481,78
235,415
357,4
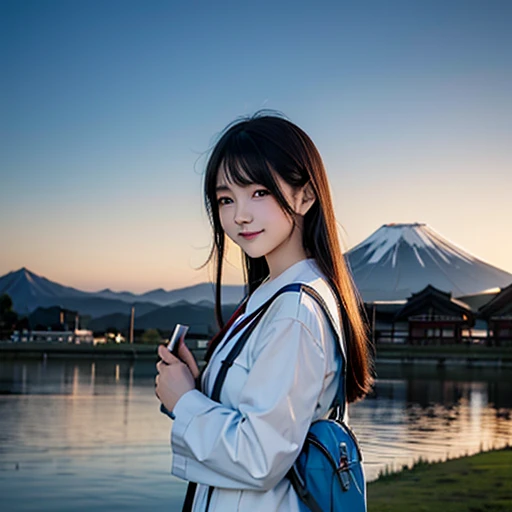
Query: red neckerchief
x,y
212,344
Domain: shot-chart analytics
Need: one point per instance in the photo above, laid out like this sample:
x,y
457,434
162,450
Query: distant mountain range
x,y
394,262
29,291
200,318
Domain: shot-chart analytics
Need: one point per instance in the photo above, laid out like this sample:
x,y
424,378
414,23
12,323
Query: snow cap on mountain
x,y
400,259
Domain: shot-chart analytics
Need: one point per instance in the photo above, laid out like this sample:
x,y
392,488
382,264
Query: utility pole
x,y
132,321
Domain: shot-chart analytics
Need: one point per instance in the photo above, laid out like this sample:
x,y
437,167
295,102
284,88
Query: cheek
x,y
268,210
275,214
224,219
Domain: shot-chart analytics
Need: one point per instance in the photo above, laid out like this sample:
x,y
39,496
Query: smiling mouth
x,y
250,236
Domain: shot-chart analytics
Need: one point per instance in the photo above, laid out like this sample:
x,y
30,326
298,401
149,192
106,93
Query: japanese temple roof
x,y
477,301
501,304
441,301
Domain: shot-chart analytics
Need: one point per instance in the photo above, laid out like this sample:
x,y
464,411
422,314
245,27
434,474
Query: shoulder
x,y
310,309
304,308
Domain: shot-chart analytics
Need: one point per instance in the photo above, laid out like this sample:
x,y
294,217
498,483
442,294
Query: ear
x,y
305,199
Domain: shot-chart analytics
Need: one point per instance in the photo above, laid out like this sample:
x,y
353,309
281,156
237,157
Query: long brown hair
x,y
251,150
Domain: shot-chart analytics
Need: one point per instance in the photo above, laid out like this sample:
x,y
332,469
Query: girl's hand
x,y
188,358
174,378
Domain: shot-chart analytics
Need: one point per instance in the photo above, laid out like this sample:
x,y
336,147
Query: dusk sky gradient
x,y
107,111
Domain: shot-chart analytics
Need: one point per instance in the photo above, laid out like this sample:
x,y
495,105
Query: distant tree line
x,y
8,317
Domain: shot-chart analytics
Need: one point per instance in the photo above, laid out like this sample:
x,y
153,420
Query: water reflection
x,y
84,435
432,414
88,434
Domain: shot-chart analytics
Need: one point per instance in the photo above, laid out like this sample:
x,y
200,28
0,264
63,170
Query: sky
x,y
108,110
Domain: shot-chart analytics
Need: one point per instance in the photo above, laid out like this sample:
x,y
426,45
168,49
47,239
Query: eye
x,y
221,201
261,192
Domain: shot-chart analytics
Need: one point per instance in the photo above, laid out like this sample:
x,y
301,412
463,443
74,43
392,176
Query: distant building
x,y
83,336
498,314
110,337
31,336
381,315
77,336
54,318
435,317
53,325
430,316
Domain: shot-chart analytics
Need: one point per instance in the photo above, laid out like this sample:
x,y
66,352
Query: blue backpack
x,y
328,474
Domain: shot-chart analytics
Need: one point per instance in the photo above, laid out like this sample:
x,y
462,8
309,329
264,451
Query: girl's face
x,y
255,221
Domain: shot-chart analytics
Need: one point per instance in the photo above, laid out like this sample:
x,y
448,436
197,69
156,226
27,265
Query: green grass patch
x,y
479,483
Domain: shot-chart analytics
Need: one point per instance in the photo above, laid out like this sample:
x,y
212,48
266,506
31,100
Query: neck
x,y
291,252
279,269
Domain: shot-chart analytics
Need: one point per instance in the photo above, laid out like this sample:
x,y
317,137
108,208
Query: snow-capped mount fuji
x,y
400,259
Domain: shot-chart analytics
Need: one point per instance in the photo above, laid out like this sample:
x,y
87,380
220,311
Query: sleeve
x,y
254,446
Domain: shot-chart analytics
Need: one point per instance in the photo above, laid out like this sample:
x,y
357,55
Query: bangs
x,y
248,157
243,163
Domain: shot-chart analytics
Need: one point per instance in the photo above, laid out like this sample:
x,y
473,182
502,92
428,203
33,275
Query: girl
x,y
266,189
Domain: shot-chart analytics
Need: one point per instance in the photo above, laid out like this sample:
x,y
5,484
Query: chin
x,y
255,254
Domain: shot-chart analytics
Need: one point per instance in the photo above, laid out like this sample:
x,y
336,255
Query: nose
x,y
243,214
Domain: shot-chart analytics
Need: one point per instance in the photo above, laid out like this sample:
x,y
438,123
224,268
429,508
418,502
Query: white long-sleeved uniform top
x,y
285,377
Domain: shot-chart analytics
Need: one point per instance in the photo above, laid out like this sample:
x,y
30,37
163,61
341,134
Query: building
x,y
498,314
430,316
53,325
77,336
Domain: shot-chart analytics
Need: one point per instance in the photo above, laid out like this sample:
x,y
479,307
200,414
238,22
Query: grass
x,y
478,483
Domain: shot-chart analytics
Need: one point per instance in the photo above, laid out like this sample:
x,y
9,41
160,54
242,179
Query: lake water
x,y
83,435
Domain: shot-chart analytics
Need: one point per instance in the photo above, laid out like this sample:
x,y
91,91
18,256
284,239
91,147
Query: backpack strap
x,y
251,323
339,403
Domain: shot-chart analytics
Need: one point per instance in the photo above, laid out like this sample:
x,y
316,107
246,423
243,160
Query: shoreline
x,y
439,356
470,356
473,482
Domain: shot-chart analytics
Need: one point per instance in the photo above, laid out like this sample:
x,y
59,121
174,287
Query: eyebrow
x,y
222,188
